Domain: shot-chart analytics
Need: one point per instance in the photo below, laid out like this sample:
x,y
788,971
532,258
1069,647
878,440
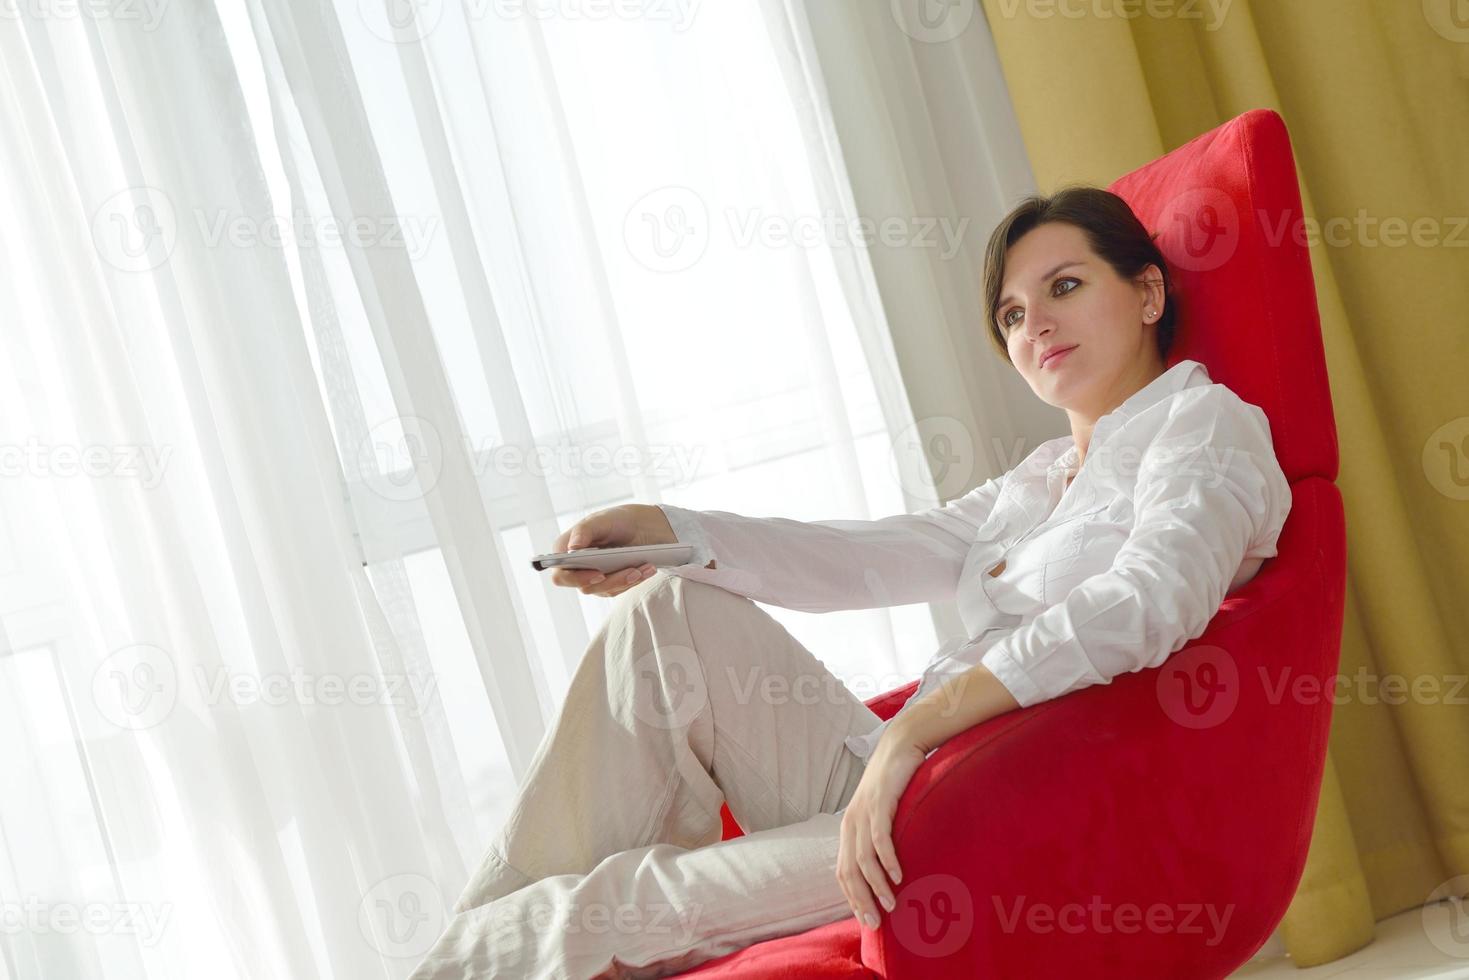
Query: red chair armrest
x,y
1132,826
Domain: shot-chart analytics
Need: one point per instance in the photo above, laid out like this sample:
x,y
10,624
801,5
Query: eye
x,y
1006,322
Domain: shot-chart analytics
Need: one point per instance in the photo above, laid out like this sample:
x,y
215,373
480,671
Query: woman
x,y
1103,552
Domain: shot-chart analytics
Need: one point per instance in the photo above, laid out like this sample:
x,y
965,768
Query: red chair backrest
x,y
1226,208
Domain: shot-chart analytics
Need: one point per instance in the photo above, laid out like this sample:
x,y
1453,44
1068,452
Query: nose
x,y
1038,324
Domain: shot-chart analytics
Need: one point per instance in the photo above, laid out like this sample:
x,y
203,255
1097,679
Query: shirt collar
x,y
1173,380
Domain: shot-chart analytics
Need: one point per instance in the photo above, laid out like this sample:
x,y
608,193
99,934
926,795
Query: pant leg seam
x,y
492,856
710,939
665,800
756,768
754,765
714,722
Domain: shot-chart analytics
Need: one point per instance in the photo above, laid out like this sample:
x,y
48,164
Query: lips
x,y
1052,355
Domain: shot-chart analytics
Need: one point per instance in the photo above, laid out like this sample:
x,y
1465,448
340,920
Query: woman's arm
x,y
1167,582
824,566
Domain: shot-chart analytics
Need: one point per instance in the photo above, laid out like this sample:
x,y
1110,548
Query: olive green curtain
x,y
1376,98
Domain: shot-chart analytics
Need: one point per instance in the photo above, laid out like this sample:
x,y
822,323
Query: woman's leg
x,y
652,911
688,696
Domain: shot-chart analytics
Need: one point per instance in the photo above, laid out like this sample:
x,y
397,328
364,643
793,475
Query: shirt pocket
x,y
993,527
1088,546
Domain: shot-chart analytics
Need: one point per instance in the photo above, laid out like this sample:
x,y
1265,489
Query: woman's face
x,y
1059,294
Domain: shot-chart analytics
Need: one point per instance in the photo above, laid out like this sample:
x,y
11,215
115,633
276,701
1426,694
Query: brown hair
x,y
1112,231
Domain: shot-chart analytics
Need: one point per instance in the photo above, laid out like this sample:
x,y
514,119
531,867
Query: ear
x,y
1150,284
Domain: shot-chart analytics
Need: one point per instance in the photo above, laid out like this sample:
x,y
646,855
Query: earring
x,y
1151,314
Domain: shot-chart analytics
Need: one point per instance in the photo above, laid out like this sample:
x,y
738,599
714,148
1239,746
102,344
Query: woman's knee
x,y
672,590
666,606
659,588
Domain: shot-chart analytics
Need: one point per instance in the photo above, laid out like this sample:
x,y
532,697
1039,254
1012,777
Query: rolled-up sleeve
x,y
1209,492
824,566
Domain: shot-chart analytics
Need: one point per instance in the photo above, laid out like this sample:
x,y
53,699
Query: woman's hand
x,y
867,859
615,527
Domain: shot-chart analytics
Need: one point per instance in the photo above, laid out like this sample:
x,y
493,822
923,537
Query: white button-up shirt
x,y
1061,583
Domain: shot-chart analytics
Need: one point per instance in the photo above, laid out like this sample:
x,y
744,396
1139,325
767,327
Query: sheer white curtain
x,y
319,321
210,764
617,281
909,106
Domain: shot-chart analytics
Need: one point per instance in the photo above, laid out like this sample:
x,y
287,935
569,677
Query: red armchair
x,y
1156,826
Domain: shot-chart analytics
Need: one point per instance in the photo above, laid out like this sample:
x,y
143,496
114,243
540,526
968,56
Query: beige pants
x,y
611,863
